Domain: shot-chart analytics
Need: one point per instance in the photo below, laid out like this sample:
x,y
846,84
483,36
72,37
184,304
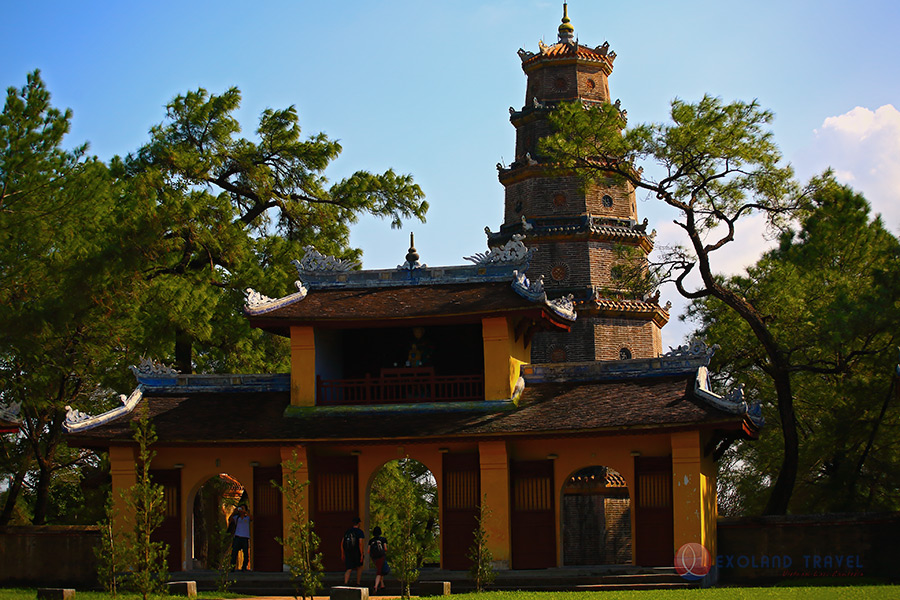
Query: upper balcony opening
x,y
440,363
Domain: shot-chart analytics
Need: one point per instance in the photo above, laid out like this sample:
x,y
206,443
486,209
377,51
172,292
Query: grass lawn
x,y
843,592
31,594
885,592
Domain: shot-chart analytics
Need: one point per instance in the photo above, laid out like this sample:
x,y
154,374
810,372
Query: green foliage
x,y
829,296
482,570
403,502
301,544
146,505
110,552
65,291
224,213
715,163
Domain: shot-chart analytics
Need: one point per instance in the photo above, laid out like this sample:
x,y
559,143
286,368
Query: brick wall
x,y
49,556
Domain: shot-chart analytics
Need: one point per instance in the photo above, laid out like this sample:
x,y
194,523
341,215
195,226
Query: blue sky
x,y
424,87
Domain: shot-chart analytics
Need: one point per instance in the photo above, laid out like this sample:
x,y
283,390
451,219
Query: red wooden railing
x,y
400,385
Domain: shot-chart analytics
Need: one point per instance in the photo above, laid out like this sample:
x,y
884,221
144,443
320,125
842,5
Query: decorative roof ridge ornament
x,y
412,257
694,347
10,412
733,402
256,303
534,291
512,252
78,421
151,366
315,261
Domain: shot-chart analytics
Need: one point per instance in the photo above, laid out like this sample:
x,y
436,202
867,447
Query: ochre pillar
x,y
298,454
121,470
687,490
501,358
303,366
495,491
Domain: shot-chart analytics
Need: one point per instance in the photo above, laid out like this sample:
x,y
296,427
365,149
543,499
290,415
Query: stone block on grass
x,y
349,593
183,588
56,594
433,588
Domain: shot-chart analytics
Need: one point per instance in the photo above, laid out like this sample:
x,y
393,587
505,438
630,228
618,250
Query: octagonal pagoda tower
x,y
577,229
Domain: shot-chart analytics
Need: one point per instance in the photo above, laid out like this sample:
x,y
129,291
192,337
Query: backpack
x,y
349,543
376,548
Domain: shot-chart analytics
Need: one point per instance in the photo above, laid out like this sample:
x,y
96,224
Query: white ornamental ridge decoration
x,y
314,261
534,291
79,421
513,251
254,299
733,402
693,348
10,412
149,366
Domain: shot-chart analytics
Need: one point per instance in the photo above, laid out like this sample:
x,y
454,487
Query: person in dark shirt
x,y
352,551
378,554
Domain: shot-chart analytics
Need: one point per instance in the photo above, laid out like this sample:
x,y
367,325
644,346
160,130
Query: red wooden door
x,y
267,554
170,529
335,493
533,514
460,500
654,525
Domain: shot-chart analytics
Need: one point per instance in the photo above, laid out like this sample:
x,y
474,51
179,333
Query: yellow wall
x,y
121,470
303,366
503,356
495,491
710,505
693,476
201,464
687,488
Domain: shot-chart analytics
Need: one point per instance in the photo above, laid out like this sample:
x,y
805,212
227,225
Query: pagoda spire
x,y
566,29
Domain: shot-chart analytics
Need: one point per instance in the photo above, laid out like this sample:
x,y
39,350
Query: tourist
x,y
352,551
240,518
378,553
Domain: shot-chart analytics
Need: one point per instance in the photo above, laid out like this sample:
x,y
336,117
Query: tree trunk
x,y
11,496
787,475
183,352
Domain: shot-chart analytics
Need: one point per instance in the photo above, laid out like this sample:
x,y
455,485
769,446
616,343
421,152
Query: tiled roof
x,y
569,50
545,409
467,301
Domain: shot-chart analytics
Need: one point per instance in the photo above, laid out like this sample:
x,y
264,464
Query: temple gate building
x,y
526,378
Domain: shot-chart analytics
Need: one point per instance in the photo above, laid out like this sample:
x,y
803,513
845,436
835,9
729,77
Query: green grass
x,y
883,592
31,594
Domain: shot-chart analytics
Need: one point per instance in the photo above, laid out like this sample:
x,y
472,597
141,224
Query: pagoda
x,y
582,233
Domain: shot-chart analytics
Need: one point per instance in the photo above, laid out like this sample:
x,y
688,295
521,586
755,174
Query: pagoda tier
x,y
578,229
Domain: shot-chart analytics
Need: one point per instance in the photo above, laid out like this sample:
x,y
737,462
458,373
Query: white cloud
x,y
863,148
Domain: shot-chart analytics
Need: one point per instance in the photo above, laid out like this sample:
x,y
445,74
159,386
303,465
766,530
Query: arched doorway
x,y
214,502
402,489
596,515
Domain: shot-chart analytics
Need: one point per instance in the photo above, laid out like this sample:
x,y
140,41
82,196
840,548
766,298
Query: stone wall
x,y
763,549
49,556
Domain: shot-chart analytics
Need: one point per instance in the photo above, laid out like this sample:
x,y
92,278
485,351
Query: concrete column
x,y
303,366
495,490
687,489
121,470
297,453
502,358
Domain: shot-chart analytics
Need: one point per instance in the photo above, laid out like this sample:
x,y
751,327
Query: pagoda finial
x,y
566,29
